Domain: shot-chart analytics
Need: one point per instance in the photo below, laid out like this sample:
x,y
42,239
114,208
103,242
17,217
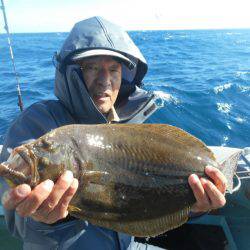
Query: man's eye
x,y
114,70
91,67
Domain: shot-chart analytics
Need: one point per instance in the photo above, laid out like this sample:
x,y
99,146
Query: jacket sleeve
x,y
29,125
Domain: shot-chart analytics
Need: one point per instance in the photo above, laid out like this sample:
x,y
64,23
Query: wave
x,y
238,88
225,140
240,120
233,33
166,97
221,88
168,37
224,107
228,126
242,72
244,88
244,41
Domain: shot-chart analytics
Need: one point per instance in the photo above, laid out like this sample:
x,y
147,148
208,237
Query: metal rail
x,y
244,174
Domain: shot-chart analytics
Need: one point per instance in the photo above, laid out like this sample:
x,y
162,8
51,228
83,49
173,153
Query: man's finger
x,y
216,197
64,202
11,198
202,200
60,187
218,178
35,198
61,210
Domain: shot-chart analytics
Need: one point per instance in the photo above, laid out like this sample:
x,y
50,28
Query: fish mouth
x,y
22,161
15,170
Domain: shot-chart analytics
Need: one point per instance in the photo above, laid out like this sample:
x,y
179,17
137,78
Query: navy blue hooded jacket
x,y
74,105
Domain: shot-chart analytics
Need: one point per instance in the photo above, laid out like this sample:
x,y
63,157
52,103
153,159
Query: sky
x,y
60,15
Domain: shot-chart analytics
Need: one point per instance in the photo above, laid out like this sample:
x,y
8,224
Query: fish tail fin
x,y
227,158
11,176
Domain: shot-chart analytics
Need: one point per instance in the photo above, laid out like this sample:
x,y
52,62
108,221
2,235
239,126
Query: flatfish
x,y
133,178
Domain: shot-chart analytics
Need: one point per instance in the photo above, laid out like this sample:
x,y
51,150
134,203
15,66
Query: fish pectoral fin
x,y
88,215
73,209
94,176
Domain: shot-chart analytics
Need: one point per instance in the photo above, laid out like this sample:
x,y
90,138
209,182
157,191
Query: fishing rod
x,y
6,27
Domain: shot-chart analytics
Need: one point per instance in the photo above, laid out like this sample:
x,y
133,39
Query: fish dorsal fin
x,y
178,135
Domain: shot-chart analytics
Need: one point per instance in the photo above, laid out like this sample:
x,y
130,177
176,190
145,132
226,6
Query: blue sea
x,y
203,76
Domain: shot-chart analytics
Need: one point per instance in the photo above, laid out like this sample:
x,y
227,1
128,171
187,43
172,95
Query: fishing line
x,y
6,27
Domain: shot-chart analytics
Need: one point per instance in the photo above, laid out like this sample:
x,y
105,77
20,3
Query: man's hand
x,y
47,202
209,195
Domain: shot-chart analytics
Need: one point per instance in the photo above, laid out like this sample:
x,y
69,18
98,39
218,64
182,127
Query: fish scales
x,y
132,178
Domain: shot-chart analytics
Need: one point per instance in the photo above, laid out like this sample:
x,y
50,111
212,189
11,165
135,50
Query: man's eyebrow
x,y
116,65
88,63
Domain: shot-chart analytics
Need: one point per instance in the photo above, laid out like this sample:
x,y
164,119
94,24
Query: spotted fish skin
x,y
132,178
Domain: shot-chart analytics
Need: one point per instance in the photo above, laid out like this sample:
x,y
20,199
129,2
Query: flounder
x,y
132,178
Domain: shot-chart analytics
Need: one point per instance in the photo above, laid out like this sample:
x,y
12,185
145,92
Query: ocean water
x,y
202,76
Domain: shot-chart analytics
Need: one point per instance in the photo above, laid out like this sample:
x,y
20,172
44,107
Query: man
x,y
98,76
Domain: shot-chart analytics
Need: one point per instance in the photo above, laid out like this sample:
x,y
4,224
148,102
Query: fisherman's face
x,y
102,76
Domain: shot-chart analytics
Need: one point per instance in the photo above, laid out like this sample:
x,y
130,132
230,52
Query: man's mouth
x,y
101,96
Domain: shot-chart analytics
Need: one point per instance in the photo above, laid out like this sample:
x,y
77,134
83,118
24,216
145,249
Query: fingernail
x,y
48,184
68,175
195,178
23,190
74,183
208,168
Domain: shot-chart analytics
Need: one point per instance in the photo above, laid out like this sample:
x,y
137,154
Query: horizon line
x,y
129,30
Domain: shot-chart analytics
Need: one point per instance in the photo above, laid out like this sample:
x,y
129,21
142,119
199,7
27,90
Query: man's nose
x,y
104,77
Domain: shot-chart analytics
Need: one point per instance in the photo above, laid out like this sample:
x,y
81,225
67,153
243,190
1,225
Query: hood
x,y
90,34
98,33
